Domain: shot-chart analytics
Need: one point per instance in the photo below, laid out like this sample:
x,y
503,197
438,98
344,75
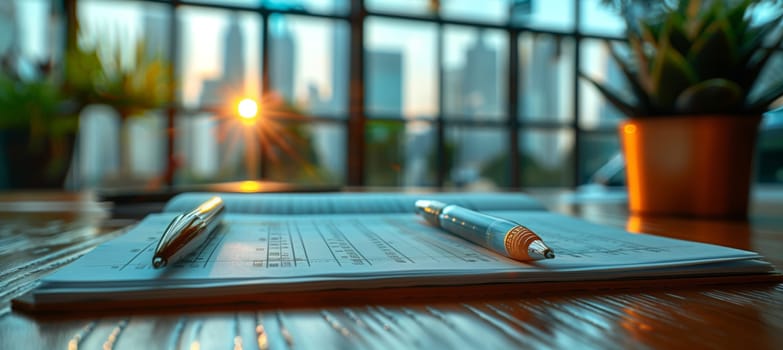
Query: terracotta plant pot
x,y
689,165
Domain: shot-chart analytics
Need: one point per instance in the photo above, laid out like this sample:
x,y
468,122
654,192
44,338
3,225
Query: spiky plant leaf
x,y
670,76
763,103
756,65
681,51
675,34
614,98
643,63
630,76
714,51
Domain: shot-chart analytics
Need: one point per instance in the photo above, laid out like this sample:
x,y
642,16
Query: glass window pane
x,y
400,154
496,11
117,153
307,153
119,147
477,167
118,27
769,78
595,110
219,58
600,18
601,161
322,6
414,7
546,78
243,3
400,69
214,148
546,157
475,73
550,14
769,152
24,36
309,63
98,153
205,153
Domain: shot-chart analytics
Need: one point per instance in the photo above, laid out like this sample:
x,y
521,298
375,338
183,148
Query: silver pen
x,y
188,231
500,235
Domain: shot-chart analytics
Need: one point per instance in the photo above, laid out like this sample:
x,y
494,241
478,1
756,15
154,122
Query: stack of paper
x,y
256,253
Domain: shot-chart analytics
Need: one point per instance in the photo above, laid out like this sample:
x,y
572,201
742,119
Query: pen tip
x,y
158,262
549,254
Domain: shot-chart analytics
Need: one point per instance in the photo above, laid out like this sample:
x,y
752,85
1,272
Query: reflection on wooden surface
x,y
736,316
730,233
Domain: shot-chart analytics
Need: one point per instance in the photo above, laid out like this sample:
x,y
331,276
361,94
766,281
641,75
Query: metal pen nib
x,y
158,262
538,250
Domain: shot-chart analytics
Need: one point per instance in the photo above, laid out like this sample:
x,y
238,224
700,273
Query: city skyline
x,y
312,35
309,66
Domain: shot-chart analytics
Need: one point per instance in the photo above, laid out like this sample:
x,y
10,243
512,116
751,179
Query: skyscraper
x,y
543,100
234,57
384,82
329,141
480,95
542,79
340,62
480,91
282,54
204,152
217,92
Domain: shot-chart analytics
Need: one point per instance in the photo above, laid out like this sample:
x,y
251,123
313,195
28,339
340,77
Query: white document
x,y
334,251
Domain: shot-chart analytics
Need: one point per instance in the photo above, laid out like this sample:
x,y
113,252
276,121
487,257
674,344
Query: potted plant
x,y
39,112
38,125
695,99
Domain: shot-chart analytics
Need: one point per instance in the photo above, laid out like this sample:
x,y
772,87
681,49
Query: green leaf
x,y
670,76
622,105
639,92
711,96
736,18
675,34
714,51
649,33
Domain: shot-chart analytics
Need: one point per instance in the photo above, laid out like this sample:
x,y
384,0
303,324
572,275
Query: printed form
x,y
274,248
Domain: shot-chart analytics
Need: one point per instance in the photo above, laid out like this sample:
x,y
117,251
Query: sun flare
x,y
247,108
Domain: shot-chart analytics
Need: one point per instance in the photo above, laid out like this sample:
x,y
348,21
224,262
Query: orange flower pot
x,y
689,165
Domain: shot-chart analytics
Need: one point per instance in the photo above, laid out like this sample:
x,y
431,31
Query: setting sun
x,y
247,108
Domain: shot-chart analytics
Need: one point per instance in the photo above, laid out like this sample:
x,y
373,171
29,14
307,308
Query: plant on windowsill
x,y
131,88
38,126
39,111
695,100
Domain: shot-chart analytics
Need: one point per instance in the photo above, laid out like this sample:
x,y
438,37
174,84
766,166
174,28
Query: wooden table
x,y
33,242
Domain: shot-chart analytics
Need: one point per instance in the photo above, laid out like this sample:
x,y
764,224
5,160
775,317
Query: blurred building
x,y
480,99
384,82
282,59
230,84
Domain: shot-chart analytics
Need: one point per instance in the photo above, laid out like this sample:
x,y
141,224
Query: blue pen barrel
x,y
484,230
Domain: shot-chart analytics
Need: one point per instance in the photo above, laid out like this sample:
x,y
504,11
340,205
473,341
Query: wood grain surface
x,y
33,242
